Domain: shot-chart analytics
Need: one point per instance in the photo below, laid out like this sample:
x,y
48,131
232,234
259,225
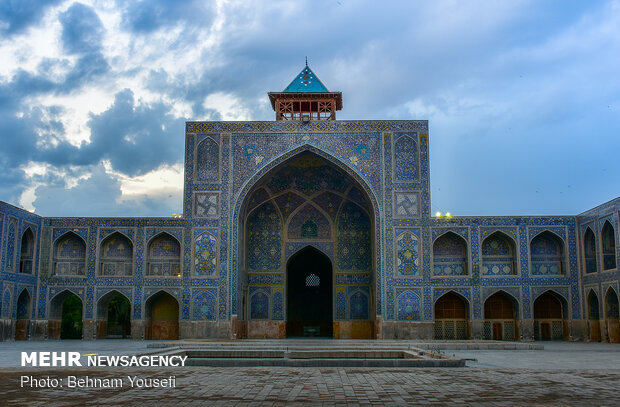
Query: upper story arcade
x,y
305,99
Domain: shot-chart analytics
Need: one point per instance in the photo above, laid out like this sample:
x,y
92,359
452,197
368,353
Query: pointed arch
x,y
500,316
24,304
116,255
408,306
550,310
306,179
451,316
27,252
450,255
161,316
308,221
612,315
69,255
66,312
22,315
593,312
608,246
207,160
547,254
164,256
113,315
498,255
589,251
205,306
309,291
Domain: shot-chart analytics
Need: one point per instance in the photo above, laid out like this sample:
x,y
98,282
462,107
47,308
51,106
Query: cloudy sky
x,y
522,97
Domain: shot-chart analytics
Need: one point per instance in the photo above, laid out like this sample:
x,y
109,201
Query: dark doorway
x,y
71,325
162,317
309,292
119,320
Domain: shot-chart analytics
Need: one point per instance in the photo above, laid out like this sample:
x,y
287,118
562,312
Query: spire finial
x,y
306,61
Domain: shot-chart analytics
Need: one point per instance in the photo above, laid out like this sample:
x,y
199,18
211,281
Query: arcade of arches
x,y
307,227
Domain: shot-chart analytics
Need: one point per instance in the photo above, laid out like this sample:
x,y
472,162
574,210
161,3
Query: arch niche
x,y
594,323
500,317
65,319
24,310
549,316
113,316
310,216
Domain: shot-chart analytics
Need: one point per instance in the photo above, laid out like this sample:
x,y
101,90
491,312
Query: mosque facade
x,y
310,226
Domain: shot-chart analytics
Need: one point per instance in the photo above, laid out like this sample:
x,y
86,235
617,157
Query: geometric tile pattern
x,y
205,254
164,255
407,258
222,156
358,305
116,255
10,247
405,158
206,205
264,238
547,254
498,255
204,305
408,304
207,160
259,305
354,249
309,223
69,255
450,255
407,205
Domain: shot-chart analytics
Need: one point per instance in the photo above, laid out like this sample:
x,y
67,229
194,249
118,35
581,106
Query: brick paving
x,y
328,387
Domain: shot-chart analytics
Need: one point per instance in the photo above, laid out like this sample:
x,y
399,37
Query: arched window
x,y
498,255
164,256
27,252
70,255
589,251
608,239
450,255
116,256
547,254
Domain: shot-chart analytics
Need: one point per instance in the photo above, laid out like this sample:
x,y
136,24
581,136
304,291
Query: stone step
x,y
285,362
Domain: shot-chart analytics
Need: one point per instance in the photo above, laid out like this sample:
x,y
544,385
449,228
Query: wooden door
x,y
497,331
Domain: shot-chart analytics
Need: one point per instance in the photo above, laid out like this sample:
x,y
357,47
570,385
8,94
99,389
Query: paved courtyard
x,y
573,374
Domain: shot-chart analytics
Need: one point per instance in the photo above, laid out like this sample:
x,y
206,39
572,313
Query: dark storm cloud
x,y
17,15
97,195
146,16
136,139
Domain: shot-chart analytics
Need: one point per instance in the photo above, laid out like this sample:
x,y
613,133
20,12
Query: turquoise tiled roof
x,y
306,82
